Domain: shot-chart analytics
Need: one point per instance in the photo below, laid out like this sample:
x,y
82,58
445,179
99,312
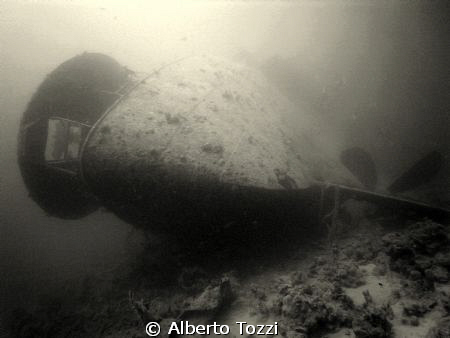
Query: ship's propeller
x,y
361,165
422,172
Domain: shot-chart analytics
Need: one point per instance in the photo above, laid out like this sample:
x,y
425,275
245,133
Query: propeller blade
x,y
422,172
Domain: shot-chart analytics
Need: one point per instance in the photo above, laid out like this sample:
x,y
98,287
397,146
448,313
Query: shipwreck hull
x,y
199,143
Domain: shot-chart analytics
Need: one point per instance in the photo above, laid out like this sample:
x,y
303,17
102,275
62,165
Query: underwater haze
x,y
372,74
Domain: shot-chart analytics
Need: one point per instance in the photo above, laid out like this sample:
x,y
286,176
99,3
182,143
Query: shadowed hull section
x,y
174,200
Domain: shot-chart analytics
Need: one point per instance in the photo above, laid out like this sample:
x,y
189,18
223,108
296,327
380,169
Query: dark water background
x,y
377,74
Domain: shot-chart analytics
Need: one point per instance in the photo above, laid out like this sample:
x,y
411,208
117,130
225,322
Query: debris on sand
x,y
421,252
211,301
314,307
442,329
373,321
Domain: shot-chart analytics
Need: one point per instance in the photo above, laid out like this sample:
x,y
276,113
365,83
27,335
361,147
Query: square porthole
x,y
64,140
